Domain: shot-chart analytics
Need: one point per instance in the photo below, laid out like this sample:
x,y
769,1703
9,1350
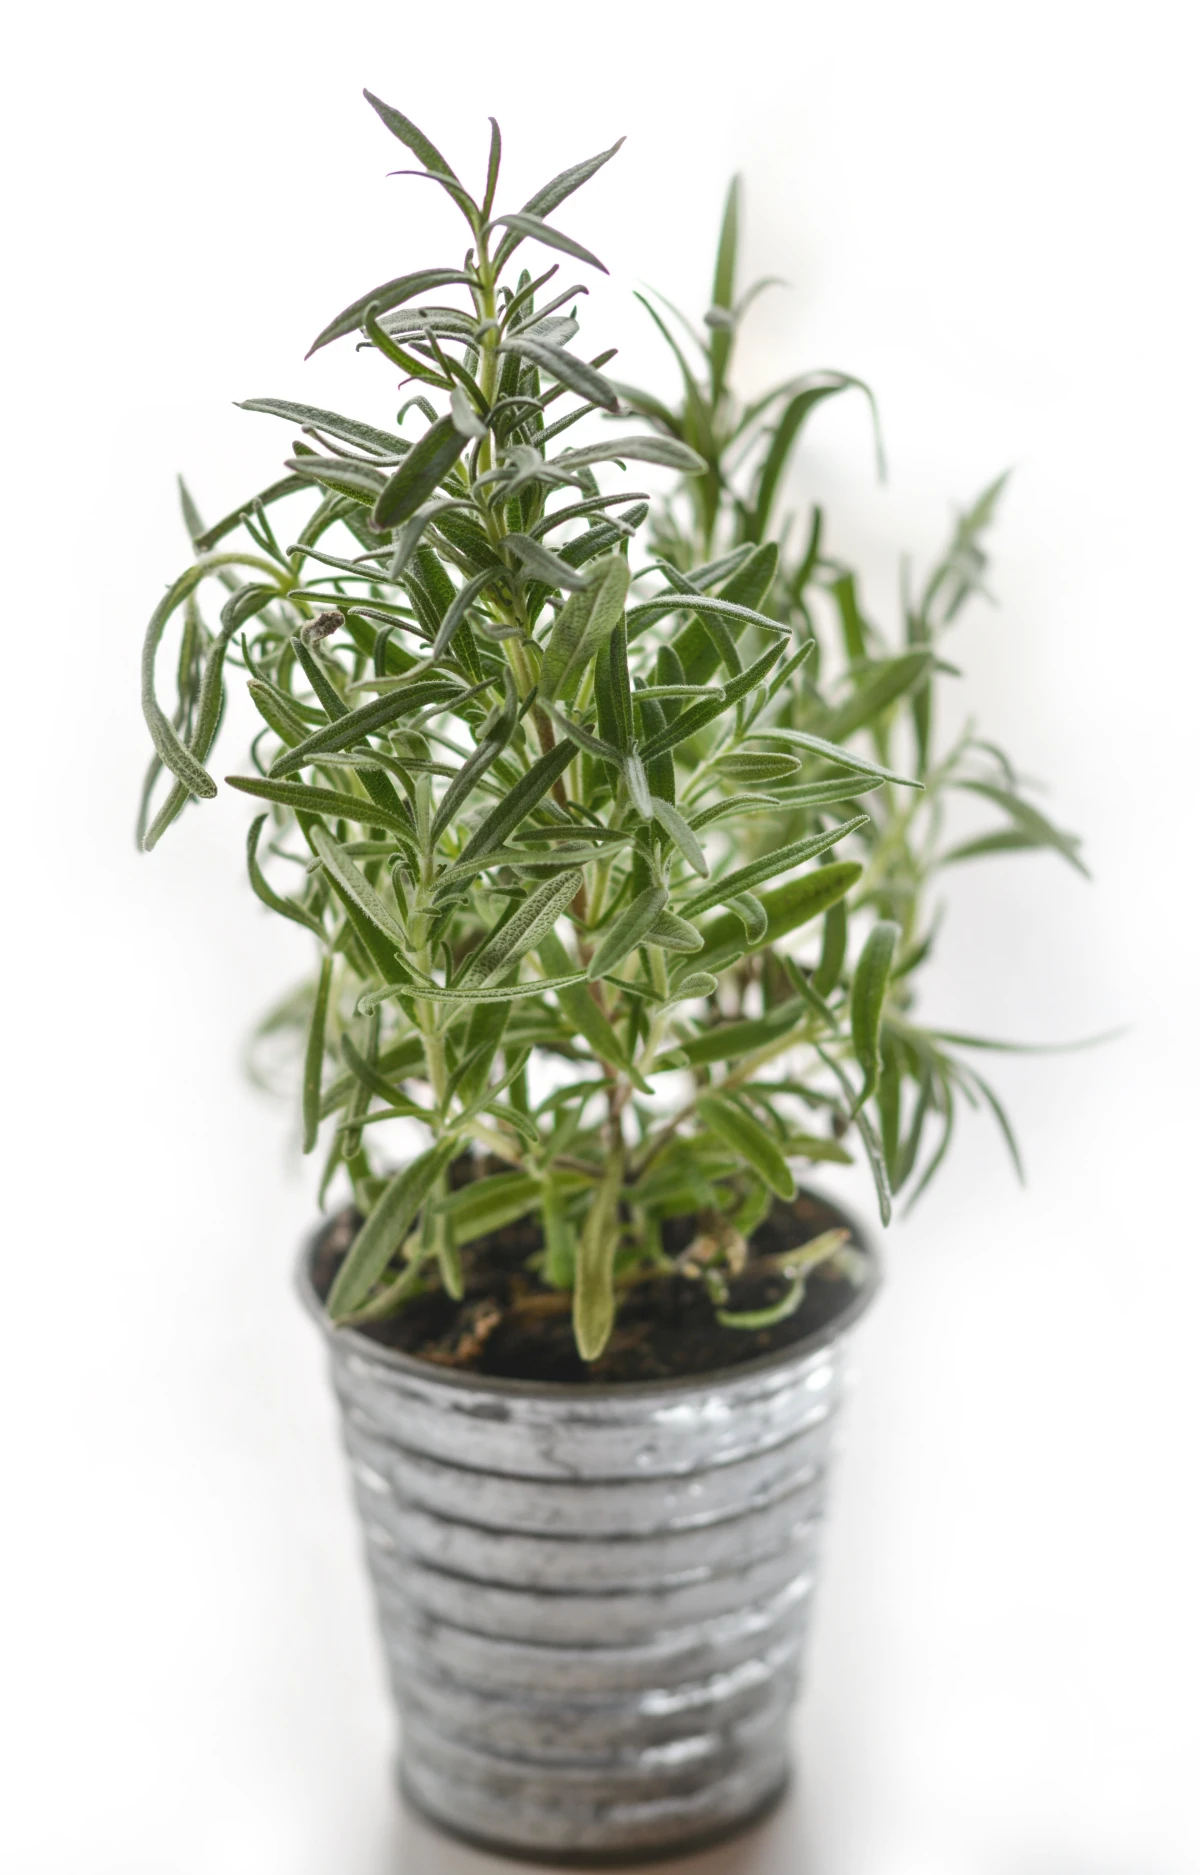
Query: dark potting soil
x,y
509,1324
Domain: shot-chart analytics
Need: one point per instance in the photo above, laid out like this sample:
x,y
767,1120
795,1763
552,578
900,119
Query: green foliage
x,y
579,789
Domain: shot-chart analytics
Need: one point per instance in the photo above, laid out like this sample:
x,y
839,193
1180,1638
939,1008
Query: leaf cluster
x,y
612,817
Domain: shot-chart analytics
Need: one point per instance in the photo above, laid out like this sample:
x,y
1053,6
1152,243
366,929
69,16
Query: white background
x,y
990,214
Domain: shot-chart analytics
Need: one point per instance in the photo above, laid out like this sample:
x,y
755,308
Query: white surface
x,y
990,215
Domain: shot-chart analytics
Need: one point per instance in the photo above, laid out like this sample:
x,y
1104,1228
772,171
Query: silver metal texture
x,y
594,1600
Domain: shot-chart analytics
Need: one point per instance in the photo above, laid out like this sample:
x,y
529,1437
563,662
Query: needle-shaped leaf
x,y
867,996
408,537
725,1041
787,908
585,740
820,1150
756,673
594,1302
870,1138
696,983
349,1136
1001,1118
749,1139
392,293
533,228
698,715
330,423
760,870
844,758
827,793
314,1055
957,1040
541,563
1026,820
741,804
491,1100
713,626
750,765
565,368
661,449
628,931
910,1145
749,582
490,747
750,910
488,1204
365,721
680,834
651,609
658,693
324,689
328,801
751,1320
524,930
875,693
485,1032
358,481
562,1244
356,885
720,345
172,750
407,133
404,1057
421,472
575,831
614,700
481,993
463,414
368,1075
458,609
519,803
548,198
186,760
672,933
286,907
1005,840
288,485
808,395
277,714
828,973
581,628
552,193
386,1228
581,1008
493,168
635,781
378,952
548,331
534,857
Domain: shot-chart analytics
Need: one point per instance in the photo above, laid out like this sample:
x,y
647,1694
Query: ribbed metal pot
x,y
594,1600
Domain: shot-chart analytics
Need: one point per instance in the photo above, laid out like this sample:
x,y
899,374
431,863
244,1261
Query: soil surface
x,y
510,1324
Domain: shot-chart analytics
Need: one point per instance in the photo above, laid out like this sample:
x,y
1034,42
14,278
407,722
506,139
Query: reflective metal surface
x,y
594,1601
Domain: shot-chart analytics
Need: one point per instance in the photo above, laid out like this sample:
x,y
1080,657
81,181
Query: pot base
x,y
677,1848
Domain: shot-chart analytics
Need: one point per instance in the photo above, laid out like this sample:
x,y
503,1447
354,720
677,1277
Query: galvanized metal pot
x,y
594,1600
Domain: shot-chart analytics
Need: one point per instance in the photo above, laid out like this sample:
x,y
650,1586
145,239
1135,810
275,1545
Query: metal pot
x,y
593,1599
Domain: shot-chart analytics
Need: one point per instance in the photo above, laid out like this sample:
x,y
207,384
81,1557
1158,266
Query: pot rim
x,y
353,1341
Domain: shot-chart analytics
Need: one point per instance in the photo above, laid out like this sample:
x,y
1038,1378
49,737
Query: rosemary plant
x,y
612,817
